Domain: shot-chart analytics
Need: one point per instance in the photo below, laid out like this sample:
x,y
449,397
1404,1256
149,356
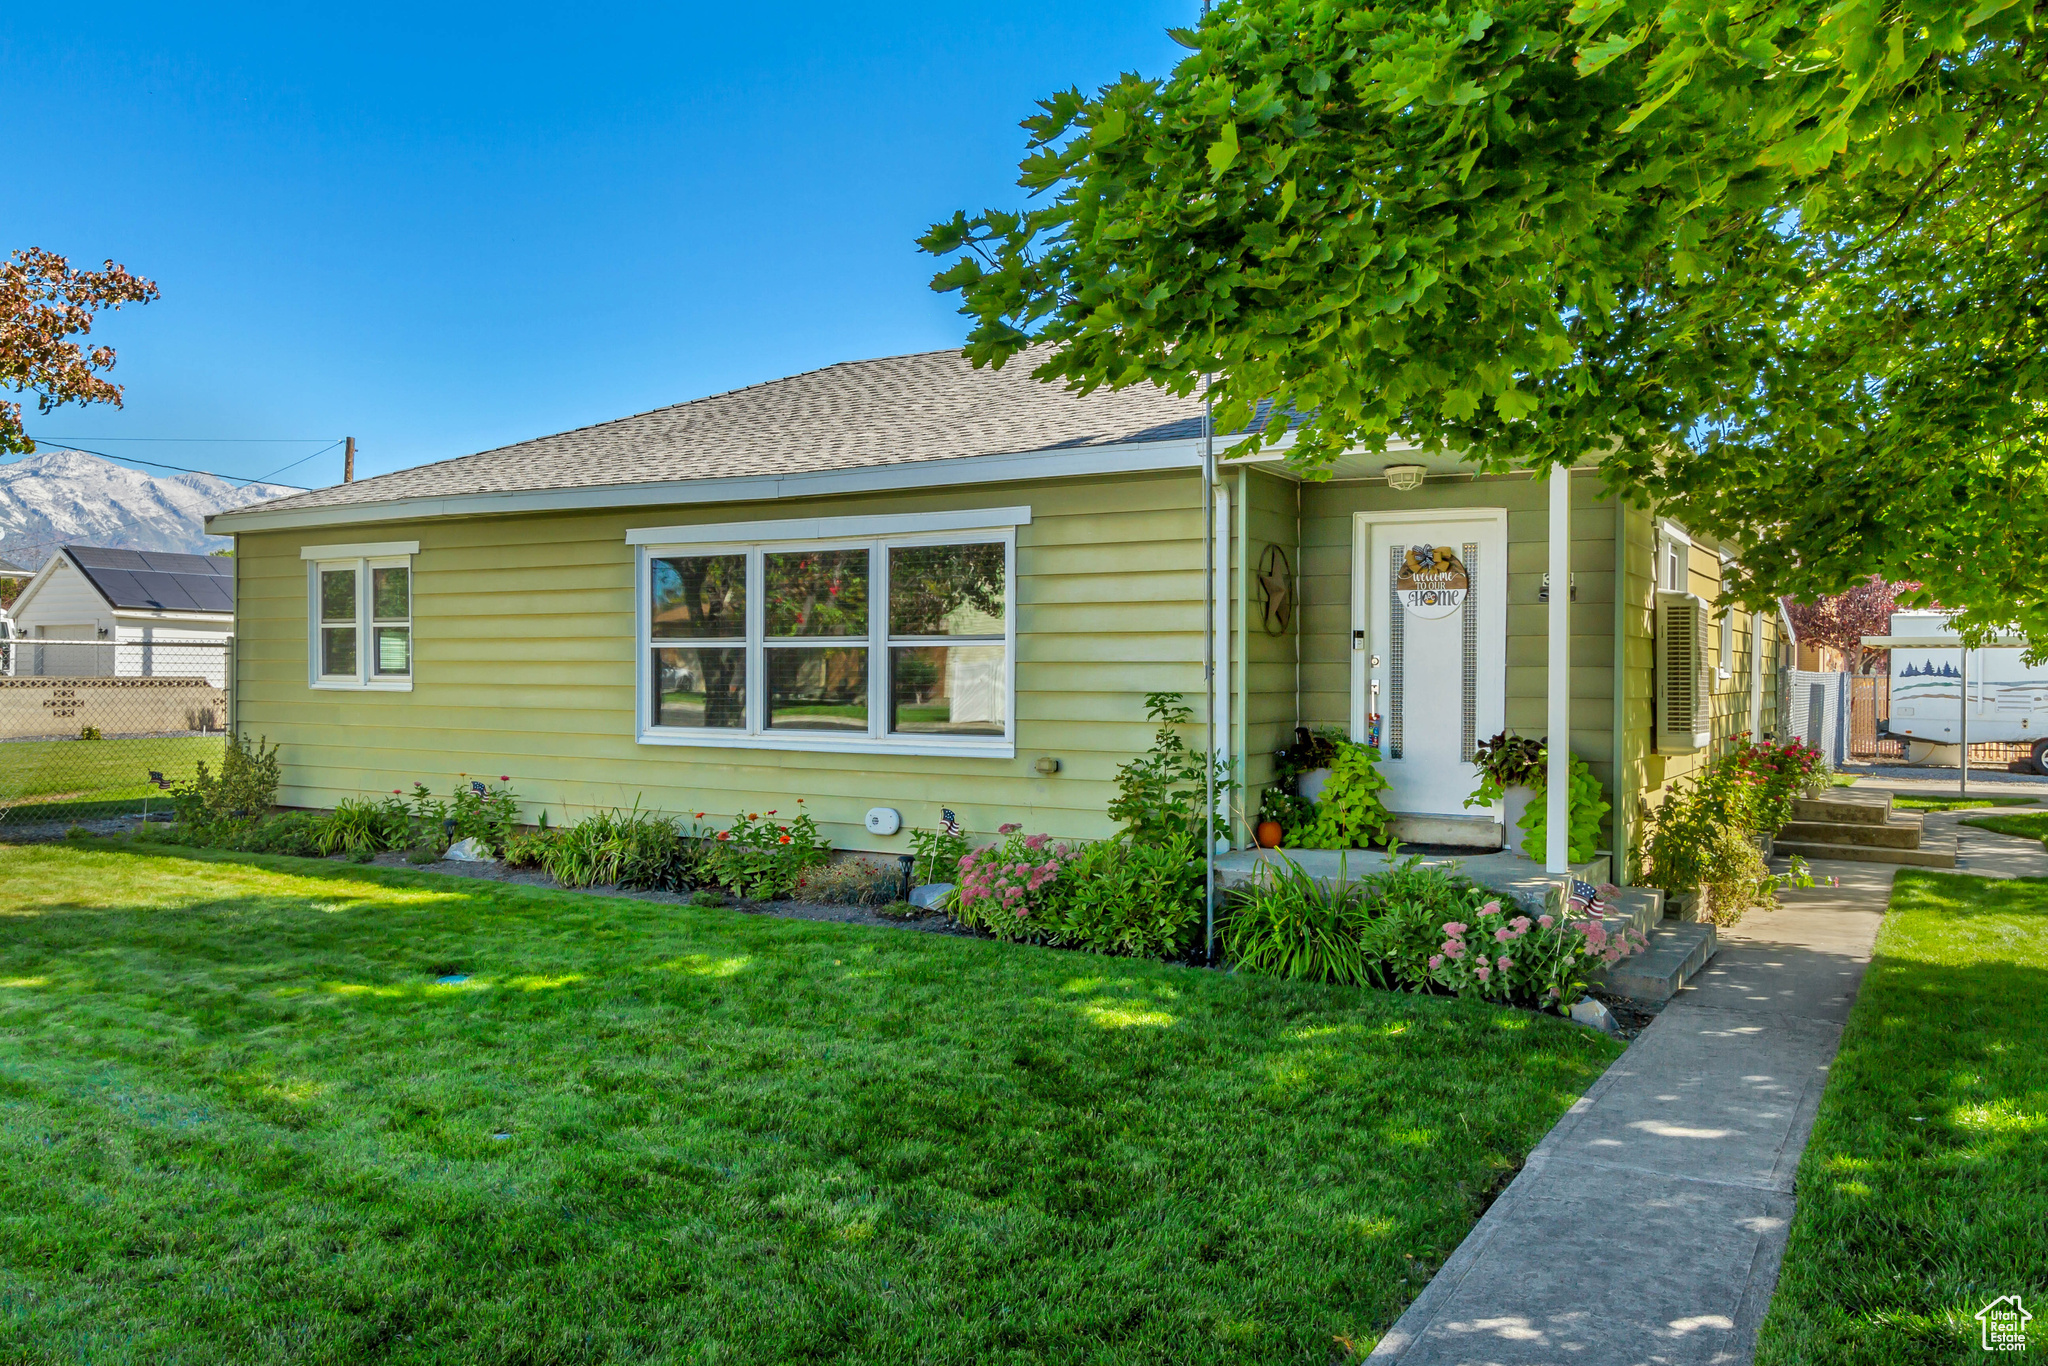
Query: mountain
x,y
58,498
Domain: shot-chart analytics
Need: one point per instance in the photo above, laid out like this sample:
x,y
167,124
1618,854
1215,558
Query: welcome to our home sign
x,y
1432,582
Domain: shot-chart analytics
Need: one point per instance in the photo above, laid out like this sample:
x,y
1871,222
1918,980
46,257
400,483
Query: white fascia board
x,y
833,528
225,620
360,550
1077,462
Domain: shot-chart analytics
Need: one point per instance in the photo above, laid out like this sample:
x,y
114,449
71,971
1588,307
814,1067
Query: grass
x,y
82,776
243,1118
1904,802
1924,1191
2027,825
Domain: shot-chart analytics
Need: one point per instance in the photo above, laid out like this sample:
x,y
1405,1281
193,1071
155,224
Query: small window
x,y
362,623
898,641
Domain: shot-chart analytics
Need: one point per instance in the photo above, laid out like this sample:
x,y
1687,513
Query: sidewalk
x,y
1648,1225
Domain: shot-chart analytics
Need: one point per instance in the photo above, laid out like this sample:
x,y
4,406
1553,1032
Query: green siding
x,y
1326,532
525,664
1265,666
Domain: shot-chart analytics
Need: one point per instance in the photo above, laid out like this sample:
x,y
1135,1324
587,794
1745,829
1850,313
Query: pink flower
x,y
1521,924
1453,950
1455,928
1546,921
966,860
1482,972
1490,908
1504,962
1035,842
1436,960
1023,911
1503,935
1008,829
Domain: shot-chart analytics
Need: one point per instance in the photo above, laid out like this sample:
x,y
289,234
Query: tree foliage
x,y
1842,620
1776,266
44,306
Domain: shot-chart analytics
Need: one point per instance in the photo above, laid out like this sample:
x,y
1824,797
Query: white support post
x,y
1558,780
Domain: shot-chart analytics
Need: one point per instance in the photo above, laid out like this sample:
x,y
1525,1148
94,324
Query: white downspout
x,y
1210,656
1558,779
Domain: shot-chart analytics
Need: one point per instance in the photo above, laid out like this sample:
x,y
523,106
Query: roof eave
x,y
1071,462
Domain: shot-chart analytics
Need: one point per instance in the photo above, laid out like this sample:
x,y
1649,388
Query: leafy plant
x,y
1310,750
529,849
1506,762
937,856
1409,902
1002,886
360,827
1288,924
1162,792
759,858
245,788
88,732
1585,806
1350,814
488,815
1123,897
1293,811
1696,843
616,849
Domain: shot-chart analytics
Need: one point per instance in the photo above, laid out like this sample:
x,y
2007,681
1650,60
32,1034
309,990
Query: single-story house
x,y
910,584
143,613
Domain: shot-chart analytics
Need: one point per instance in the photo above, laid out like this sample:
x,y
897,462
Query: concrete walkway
x,y
1647,1227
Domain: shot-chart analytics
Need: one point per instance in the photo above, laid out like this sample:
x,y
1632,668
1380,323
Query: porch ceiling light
x,y
1405,478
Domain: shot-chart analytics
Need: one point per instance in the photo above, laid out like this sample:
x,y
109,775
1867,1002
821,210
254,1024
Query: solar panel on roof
x,y
158,580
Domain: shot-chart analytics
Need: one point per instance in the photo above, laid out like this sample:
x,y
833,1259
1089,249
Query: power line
x,y
203,440
295,464
182,469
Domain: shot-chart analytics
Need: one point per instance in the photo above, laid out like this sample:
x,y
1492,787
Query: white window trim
x,y
366,679
363,550
829,528
984,527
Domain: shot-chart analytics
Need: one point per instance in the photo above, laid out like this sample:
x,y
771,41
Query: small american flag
x,y
1582,896
948,822
477,787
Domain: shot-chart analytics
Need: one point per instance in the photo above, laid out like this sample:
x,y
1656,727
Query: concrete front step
x,y
1939,852
1634,908
1678,949
1900,832
1845,808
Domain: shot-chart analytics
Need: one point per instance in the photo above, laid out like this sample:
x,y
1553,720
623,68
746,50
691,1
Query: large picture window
x,y
361,610
898,642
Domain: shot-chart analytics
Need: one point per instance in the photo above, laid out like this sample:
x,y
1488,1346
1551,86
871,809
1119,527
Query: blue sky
x,y
441,230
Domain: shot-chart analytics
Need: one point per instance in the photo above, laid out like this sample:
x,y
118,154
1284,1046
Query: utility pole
x,y
348,461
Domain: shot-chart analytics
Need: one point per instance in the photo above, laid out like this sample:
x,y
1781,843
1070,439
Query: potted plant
x,y
1511,770
1304,765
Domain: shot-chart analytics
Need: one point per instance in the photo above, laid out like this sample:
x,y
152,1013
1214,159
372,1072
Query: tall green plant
x,y
1161,793
243,789
1288,924
1350,814
1585,806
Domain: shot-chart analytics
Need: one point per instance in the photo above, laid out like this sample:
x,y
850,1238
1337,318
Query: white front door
x,y
1430,649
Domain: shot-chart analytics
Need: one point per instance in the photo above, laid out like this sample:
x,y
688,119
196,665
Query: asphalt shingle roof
x,y
895,411
160,580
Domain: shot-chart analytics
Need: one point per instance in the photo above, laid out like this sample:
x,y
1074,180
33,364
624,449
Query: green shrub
x,y
1288,924
1161,793
1504,954
529,849
244,789
361,828
1003,885
617,849
488,815
423,854
1281,803
1349,814
760,859
1410,902
1122,897
1584,804
850,882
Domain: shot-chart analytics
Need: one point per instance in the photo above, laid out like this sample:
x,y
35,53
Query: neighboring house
x,y
908,583
141,613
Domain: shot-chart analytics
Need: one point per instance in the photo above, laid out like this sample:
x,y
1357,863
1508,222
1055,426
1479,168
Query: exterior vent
x,y
1685,695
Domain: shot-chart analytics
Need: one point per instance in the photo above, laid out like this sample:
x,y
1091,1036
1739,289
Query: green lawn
x,y
80,773
241,1120
1907,802
1924,1192
2027,825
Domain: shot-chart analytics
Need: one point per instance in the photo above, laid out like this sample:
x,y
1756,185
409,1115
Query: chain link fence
x,y
98,729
